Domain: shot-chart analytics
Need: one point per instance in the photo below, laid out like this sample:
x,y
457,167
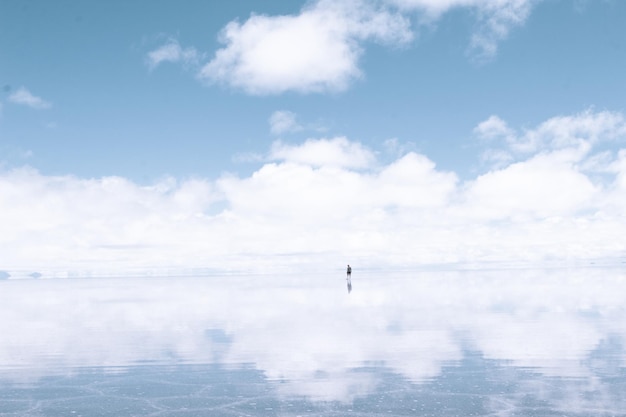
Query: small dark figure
x,y
349,278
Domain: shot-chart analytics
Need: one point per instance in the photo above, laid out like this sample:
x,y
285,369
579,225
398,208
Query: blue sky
x,y
461,100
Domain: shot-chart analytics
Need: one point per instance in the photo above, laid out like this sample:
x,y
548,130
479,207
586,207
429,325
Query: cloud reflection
x,y
309,334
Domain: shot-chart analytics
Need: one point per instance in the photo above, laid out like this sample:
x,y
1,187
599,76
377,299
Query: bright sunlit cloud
x,y
26,98
317,50
316,203
337,152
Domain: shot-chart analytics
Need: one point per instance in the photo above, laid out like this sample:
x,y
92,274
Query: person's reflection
x,y
349,280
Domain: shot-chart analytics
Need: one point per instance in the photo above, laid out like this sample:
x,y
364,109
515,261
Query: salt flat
x,y
484,342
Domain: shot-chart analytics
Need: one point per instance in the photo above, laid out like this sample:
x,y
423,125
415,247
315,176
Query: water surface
x,y
467,343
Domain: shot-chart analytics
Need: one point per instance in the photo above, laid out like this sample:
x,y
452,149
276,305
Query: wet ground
x,y
517,342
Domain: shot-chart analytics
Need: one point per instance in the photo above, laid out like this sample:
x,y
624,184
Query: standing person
x,y
349,278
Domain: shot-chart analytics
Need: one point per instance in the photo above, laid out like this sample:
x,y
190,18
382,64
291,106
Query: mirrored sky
x,y
307,337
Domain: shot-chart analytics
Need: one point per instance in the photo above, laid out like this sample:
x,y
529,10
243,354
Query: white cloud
x,y
578,133
337,152
493,128
318,50
583,129
435,8
542,186
554,180
283,121
495,19
171,51
315,51
80,220
25,97
316,203
413,181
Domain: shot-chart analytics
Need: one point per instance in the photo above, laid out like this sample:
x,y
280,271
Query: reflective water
x,y
477,343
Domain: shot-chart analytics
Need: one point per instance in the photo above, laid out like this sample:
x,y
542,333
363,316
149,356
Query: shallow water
x,y
472,343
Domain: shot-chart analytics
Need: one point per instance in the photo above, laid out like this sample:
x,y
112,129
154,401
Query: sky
x,y
261,136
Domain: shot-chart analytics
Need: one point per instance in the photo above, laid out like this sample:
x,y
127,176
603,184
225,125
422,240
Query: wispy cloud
x,y
26,98
171,51
494,19
579,131
283,121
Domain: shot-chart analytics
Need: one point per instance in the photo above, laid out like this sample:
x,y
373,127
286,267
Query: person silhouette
x,y
349,278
